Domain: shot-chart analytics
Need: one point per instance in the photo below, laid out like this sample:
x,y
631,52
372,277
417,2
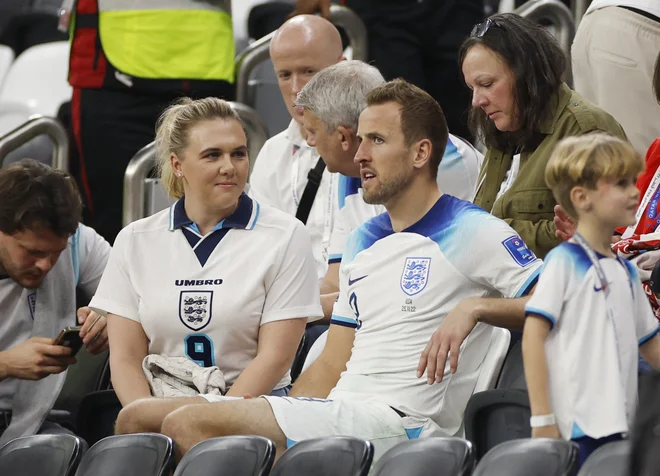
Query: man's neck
x,y
412,203
598,236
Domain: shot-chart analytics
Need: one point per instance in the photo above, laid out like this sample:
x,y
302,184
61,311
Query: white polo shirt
x,y
649,6
457,176
279,178
90,252
396,289
592,360
205,297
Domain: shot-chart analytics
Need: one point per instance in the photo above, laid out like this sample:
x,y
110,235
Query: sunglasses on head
x,y
480,29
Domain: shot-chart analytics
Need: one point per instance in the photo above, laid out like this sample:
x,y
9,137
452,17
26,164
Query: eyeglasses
x,y
480,29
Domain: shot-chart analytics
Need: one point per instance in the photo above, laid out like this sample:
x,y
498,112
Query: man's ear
x,y
347,137
581,198
422,150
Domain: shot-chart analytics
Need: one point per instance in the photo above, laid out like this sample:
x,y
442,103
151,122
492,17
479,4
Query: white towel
x,y
181,377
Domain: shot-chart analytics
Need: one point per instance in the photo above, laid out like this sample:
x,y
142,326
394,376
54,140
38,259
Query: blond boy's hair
x,y
583,160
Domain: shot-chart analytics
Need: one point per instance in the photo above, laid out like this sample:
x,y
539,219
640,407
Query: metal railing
x,y
554,12
34,127
141,194
257,52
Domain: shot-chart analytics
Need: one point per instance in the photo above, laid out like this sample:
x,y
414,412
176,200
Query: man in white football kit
x,y
45,255
300,48
402,273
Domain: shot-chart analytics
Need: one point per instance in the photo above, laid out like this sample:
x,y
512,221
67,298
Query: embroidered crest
x,y
415,275
195,308
32,303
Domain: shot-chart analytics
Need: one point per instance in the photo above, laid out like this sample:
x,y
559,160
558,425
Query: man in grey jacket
x,y
45,254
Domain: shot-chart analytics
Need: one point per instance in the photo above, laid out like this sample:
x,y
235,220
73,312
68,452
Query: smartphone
x,y
70,337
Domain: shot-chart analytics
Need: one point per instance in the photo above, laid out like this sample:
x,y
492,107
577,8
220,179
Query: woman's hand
x,y
564,224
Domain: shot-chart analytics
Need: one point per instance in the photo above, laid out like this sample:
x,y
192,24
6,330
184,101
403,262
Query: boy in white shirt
x,y
589,314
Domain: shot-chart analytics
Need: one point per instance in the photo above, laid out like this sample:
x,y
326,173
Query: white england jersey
x,y
396,288
279,179
592,361
89,252
457,176
205,297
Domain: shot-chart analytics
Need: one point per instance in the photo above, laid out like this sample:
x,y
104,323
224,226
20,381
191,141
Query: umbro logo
x,y
351,282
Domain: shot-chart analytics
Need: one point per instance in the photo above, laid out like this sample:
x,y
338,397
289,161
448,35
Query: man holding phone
x,y
45,254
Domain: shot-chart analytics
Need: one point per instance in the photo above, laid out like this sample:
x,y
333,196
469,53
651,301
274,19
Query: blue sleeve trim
x,y
649,336
75,254
540,313
334,259
343,321
530,283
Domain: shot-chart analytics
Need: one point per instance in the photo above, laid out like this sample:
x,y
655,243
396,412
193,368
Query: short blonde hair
x,y
172,133
583,160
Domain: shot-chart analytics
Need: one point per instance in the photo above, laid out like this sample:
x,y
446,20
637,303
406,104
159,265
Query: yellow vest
x,y
168,39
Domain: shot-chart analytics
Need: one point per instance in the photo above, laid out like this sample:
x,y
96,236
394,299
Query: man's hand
x,y
94,330
550,431
309,7
564,224
35,359
447,340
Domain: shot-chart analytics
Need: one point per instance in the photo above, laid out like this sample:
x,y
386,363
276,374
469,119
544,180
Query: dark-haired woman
x,y
520,109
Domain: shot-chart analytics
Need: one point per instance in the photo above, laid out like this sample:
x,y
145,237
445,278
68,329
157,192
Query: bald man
x,y
301,47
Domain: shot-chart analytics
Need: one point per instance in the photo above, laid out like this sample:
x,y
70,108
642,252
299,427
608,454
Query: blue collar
x,y
244,217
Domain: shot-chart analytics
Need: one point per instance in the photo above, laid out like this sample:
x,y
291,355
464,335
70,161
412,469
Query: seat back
x,y
493,360
532,456
427,456
608,460
141,454
330,456
513,371
97,415
41,455
235,455
496,416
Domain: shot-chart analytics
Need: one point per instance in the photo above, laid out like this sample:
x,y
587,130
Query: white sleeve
x,y
259,179
551,291
93,253
293,291
646,325
343,313
340,232
499,259
116,293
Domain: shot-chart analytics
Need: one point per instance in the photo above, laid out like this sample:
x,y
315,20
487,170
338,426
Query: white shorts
x,y
303,418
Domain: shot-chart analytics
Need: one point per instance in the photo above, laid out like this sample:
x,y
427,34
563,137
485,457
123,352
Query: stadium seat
x,y
299,358
315,350
493,360
608,460
41,455
426,457
141,454
496,416
330,456
235,455
530,457
513,372
97,415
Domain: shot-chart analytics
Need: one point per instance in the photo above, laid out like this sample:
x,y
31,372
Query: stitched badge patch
x,y
519,251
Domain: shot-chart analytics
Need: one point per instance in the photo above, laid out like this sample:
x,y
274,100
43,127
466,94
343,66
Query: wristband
x,y
538,421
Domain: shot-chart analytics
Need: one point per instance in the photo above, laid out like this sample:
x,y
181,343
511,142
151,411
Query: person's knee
x,y
131,418
183,426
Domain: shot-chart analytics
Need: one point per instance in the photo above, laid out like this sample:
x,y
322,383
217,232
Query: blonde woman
x,y
218,278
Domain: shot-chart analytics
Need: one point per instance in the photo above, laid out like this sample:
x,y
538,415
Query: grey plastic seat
x,y
530,457
41,455
608,460
141,454
427,457
513,371
329,456
230,455
495,416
